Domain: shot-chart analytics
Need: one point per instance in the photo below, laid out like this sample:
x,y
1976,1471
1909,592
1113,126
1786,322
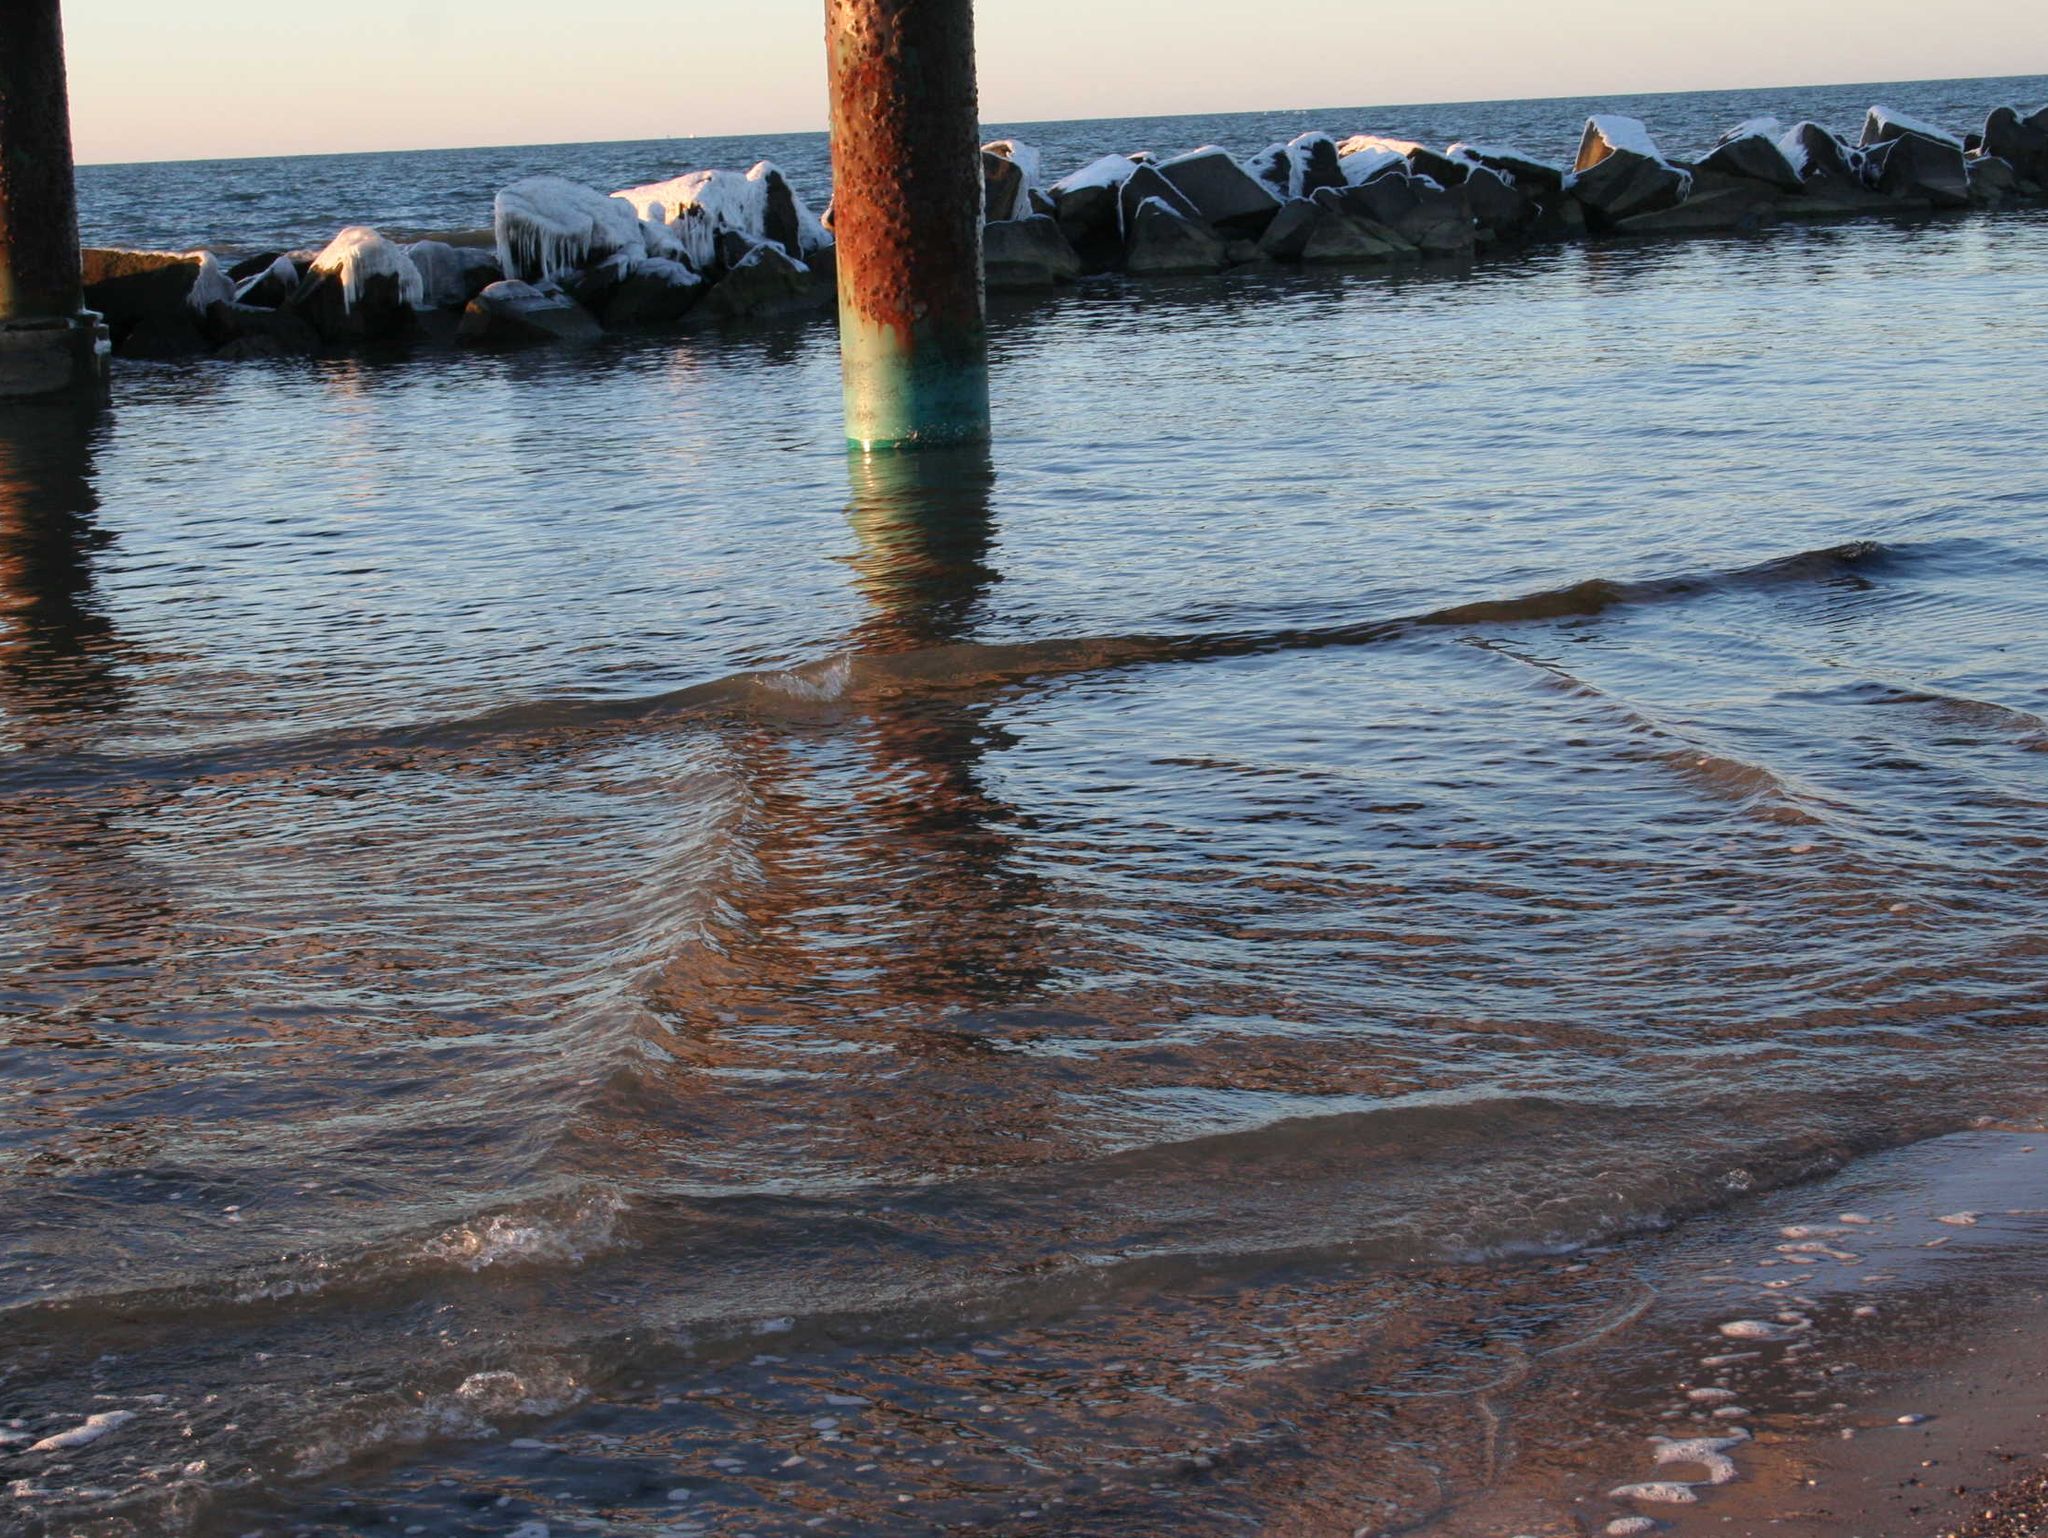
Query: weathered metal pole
x,y
906,212
48,342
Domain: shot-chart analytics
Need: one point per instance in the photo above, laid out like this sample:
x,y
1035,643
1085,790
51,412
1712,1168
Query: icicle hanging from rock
x,y
547,225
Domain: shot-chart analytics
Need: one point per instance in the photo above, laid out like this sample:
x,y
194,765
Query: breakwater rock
x,y
564,263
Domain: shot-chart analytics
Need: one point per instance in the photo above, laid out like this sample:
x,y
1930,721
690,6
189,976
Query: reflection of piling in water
x,y
907,204
55,645
925,535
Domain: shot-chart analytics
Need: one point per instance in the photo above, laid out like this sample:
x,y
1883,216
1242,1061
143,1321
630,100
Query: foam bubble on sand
x,y
1629,1527
1855,1220
1712,1395
1662,1493
1729,1359
1866,1311
1708,1453
1732,1412
95,1427
1960,1219
1755,1329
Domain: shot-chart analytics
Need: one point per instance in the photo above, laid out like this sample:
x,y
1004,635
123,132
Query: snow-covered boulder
x,y
1883,125
154,302
1011,172
1524,170
1221,192
1620,172
1436,221
1918,169
1818,154
698,207
1088,208
511,313
657,292
265,283
2021,143
1160,239
1363,157
1298,167
453,275
547,225
1499,208
766,281
1145,184
1026,254
1751,152
360,288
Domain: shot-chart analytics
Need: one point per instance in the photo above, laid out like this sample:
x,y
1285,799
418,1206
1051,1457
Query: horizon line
x,y
438,149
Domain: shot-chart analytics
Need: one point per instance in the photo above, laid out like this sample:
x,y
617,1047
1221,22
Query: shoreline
x,y
1908,1397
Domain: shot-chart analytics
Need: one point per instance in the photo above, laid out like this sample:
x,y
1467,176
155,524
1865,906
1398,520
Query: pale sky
x,y
151,81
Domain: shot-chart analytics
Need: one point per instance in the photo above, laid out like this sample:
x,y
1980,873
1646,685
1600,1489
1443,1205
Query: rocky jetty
x,y
564,263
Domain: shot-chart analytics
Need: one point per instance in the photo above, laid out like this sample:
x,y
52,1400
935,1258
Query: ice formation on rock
x,y
1026,158
1295,155
443,276
359,254
211,285
548,225
696,207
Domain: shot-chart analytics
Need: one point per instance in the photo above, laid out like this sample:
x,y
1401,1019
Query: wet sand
x,y
1900,1391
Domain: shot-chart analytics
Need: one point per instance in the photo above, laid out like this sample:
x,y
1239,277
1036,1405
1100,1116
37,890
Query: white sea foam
x,y
106,1423
1709,1454
1755,1329
1659,1493
512,1239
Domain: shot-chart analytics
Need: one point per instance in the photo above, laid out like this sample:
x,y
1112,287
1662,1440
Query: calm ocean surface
x,y
574,960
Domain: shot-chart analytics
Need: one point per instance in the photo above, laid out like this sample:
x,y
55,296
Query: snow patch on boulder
x,y
1110,171
359,254
697,207
211,285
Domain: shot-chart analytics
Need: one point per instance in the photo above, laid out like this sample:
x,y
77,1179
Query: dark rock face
x,y
1342,237
764,282
1145,184
1993,182
379,314
1019,254
779,220
1560,219
653,293
1221,193
144,296
1437,221
593,286
1161,240
2021,143
1755,158
1288,235
1441,169
1500,209
246,331
1918,169
1718,204
1298,168
1090,219
1002,183
1617,182
1824,157
516,314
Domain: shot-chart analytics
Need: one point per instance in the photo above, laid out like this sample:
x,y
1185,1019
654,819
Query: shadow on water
x,y
59,655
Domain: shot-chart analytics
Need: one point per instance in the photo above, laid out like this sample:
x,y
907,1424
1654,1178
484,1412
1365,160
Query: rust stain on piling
x,y
906,164
39,265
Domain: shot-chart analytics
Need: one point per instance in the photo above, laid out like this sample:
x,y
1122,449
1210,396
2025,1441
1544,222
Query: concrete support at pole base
x,y
898,395
63,355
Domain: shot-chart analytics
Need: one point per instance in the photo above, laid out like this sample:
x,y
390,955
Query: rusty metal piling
x,y
49,343
907,210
